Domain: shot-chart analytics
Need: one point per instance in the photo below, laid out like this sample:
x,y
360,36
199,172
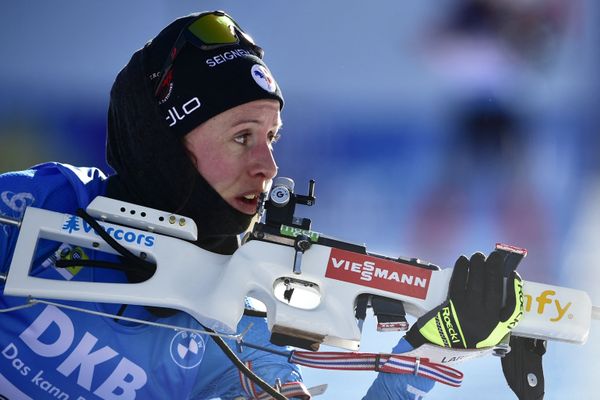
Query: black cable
x,y
120,312
245,370
129,256
94,263
138,265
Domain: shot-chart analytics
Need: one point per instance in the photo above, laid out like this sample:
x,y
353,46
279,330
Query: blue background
x,y
432,129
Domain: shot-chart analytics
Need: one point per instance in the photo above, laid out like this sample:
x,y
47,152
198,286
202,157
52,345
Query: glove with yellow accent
x,y
473,316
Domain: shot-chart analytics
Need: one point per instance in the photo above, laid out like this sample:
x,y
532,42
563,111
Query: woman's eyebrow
x,y
277,126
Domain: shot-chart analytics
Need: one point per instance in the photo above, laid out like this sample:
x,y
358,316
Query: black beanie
x,y
203,83
151,164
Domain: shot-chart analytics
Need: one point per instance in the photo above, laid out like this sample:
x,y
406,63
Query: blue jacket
x,y
54,353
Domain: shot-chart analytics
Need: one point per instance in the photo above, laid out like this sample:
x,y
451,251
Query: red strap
x,y
391,363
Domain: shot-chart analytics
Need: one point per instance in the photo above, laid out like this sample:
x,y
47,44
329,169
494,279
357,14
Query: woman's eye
x,y
242,139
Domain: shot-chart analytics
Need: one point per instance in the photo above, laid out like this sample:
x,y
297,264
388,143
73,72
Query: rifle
x,y
316,288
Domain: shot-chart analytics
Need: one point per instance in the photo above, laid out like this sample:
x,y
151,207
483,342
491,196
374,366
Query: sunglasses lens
x,y
210,30
214,29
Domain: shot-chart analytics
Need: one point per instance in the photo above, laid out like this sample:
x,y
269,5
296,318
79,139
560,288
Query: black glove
x,y
473,315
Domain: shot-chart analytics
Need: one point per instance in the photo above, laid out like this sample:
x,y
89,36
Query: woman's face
x,y
233,151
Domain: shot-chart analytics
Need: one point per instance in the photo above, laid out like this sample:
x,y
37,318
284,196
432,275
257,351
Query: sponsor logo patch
x,y
378,273
187,349
17,202
263,77
75,224
177,114
556,309
76,355
291,231
226,56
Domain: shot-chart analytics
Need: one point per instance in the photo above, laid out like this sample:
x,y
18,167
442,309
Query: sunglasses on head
x,y
207,32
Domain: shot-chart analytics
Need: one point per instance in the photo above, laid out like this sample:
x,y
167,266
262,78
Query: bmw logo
x,y
187,349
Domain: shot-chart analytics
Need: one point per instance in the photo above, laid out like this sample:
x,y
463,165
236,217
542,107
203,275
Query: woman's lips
x,y
247,203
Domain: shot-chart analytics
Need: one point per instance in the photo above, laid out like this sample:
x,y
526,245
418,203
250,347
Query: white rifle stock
x,y
326,281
